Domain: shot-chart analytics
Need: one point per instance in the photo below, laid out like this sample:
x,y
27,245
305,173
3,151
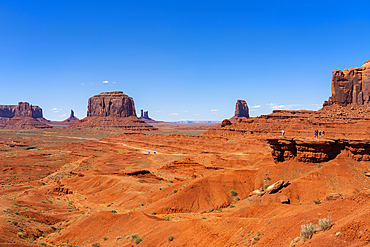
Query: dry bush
x,y
307,231
325,223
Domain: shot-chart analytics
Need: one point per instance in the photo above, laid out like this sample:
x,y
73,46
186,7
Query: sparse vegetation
x,y
317,201
42,243
96,244
266,186
154,213
233,193
231,206
174,191
325,223
170,238
307,231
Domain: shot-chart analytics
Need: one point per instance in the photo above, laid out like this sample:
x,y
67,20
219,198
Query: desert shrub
x,y
30,240
237,199
317,201
113,211
20,234
174,191
170,238
42,243
219,209
135,236
96,244
138,240
266,186
15,223
307,231
233,193
154,213
105,238
325,223
231,206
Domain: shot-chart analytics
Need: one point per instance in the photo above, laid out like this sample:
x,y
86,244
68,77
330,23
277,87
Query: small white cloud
x,y
114,82
105,81
173,114
214,110
255,106
185,111
82,84
197,114
275,106
64,115
55,110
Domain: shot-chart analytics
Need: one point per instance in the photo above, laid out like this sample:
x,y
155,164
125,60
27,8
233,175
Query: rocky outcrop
x,y
144,115
72,119
241,111
112,110
22,116
23,109
225,122
114,104
351,86
317,150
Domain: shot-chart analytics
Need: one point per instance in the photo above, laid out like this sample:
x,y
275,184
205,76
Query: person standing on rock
x,y
323,132
282,132
319,133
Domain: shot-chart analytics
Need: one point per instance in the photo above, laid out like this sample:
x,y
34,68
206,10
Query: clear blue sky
x,y
180,60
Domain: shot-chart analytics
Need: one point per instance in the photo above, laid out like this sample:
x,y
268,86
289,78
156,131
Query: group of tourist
x,y
317,133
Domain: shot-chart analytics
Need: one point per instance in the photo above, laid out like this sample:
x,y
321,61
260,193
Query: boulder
x,y
284,199
225,122
275,187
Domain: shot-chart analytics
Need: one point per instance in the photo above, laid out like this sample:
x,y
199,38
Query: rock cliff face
x,y
114,104
317,149
23,109
351,86
21,116
112,110
241,109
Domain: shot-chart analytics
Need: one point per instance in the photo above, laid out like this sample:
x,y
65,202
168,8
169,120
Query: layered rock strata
x,y
112,110
22,116
241,111
351,86
114,104
317,149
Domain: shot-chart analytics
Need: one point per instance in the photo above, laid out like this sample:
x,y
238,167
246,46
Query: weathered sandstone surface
x,y
112,110
241,111
21,116
318,149
351,86
114,104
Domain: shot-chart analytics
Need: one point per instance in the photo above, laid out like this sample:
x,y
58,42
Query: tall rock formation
x,y
241,111
71,120
351,86
112,110
22,116
111,104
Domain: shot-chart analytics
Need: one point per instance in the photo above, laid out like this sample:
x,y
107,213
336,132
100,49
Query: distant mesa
x,y
22,116
112,110
241,111
351,86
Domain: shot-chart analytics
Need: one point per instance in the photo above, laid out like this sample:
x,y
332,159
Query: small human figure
x,y
319,133
315,133
282,132
323,132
